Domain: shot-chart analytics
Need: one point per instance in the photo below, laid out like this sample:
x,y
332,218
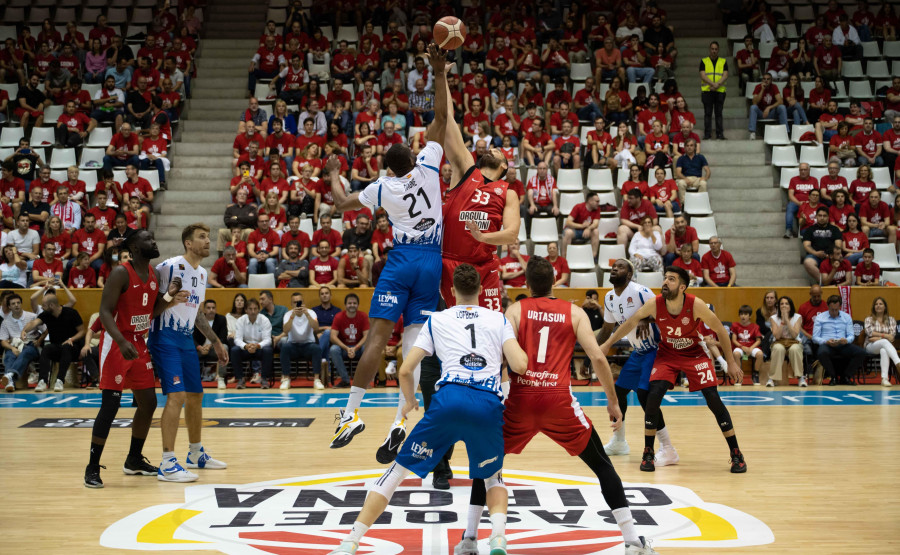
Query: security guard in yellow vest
x,y
713,74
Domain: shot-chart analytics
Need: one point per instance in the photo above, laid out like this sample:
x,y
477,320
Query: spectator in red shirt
x,y
827,124
867,272
342,63
876,218
832,183
664,194
854,240
767,99
365,169
746,338
679,235
560,266
48,268
890,146
324,266
793,99
582,224
819,97
868,145
543,196
91,241
73,127
840,146
265,64
861,186
263,246
136,186
123,149
748,61
798,193
512,266
537,145
600,144
81,274
807,215
780,60
349,332
719,269
559,117
327,233
828,61
634,209
507,123
688,262
567,147
892,100
835,270
228,270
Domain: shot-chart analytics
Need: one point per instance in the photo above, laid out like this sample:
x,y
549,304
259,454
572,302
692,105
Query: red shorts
x,y
117,374
700,370
556,414
19,112
490,282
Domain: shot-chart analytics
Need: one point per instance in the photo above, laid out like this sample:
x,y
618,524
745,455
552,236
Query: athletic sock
x,y
137,445
358,531
195,447
472,521
626,525
619,435
168,455
96,451
498,524
648,441
356,395
399,416
663,436
732,443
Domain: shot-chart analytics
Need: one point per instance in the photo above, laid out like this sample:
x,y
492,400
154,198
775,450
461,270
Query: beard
x,y
618,280
669,294
150,253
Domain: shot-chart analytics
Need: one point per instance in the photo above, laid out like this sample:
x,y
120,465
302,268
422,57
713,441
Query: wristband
x,y
168,298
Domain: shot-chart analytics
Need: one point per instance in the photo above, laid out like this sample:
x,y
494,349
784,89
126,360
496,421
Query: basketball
x,y
449,32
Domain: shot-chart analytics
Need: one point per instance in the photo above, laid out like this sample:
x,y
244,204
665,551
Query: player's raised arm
x,y
585,337
115,286
454,147
712,321
442,109
649,309
342,201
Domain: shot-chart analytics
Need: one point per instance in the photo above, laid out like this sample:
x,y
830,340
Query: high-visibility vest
x,y
714,72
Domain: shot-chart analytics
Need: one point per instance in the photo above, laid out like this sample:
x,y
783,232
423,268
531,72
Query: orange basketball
x,y
449,32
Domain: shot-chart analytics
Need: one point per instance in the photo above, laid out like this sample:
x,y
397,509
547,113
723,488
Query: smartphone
x,y
25,151
246,173
299,303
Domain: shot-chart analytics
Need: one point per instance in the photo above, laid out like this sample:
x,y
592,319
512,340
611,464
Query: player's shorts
x,y
178,368
457,413
490,282
117,374
636,372
556,414
699,369
753,352
408,285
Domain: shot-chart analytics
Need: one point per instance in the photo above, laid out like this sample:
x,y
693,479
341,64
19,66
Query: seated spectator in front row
x,y
766,100
881,328
252,341
835,269
353,270
350,330
833,333
65,330
719,268
679,235
81,275
646,246
18,353
301,326
13,270
692,171
229,270
787,327
205,351
818,240
746,339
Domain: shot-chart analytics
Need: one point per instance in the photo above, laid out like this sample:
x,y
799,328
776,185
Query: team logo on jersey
x,y
310,515
153,285
498,191
424,224
473,362
685,321
119,378
629,302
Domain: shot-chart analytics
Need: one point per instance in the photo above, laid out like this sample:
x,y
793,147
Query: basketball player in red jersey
x,y
679,317
480,212
541,400
126,308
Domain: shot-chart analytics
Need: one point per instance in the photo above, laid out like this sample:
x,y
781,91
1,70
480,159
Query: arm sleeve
x,y
425,339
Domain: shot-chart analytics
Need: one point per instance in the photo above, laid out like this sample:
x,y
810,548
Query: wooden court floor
x,y
822,478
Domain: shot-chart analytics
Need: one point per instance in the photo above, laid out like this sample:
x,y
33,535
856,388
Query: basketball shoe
x,y
667,456
643,549
171,471
92,476
498,545
647,464
738,466
8,382
40,387
347,547
135,466
468,546
201,459
349,426
617,447
388,450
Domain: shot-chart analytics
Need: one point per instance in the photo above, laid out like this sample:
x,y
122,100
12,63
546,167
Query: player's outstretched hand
x,y
128,350
643,329
437,57
474,230
411,405
175,287
222,353
735,372
615,416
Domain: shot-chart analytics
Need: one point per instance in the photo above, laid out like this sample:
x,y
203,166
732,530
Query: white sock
x,y
168,455
626,525
195,447
721,361
498,524
472,521
399,416
358,531
356,395
619,435
663,436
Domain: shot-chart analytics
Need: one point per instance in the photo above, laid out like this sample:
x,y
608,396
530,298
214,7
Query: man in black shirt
x,y
658,33
818,240
119,51
26,162
30,103
594,311
361,236
138,105
36,209
65,331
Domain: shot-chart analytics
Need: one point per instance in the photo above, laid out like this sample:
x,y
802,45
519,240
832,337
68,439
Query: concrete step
x,y
220,83
180,221
766,233
722,180
244,9
740,205
727,148
221,174
212,62
210,208
200,148
213,114
718,195
224,137
766,275
231,70
723,171
219,197
208,94
763,256
233,29
204,161
731,158
229,44
732,220
235,102
229,125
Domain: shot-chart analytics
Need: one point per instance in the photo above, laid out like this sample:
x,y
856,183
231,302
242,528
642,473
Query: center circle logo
x,y
310,515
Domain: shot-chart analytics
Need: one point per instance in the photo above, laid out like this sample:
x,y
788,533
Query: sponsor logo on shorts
x,y
473,362
421,450
387,299
311,514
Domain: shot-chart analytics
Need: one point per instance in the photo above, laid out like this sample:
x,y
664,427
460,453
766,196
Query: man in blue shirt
x,y
691,171
325,314
833,333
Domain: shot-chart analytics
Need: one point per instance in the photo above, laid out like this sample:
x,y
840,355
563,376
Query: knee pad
x,y
390,480
495,481
109,406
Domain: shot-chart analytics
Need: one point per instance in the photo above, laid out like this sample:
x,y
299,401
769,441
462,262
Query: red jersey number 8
x,y
144,302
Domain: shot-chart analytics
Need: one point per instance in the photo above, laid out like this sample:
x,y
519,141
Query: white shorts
x,y
753,353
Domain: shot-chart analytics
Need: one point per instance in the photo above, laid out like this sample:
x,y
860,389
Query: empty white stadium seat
x,y
607,226
599,179
580,257
583,279
776,135
609,252
543,230
62,158
784,156
885,255
812,155
569,180
42,136
705,226
697,204
261,281
567,202
649,279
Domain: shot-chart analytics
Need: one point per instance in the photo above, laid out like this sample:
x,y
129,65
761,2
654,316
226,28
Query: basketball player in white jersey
x,y
409,283
626,298
471,342
176,360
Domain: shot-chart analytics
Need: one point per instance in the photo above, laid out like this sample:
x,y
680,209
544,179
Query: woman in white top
x,y
13,270
646,246
880,331
237,310
786,329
